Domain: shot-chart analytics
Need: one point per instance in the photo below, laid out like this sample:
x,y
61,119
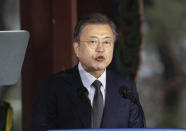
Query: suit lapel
x,y
111,100
109,85
81,105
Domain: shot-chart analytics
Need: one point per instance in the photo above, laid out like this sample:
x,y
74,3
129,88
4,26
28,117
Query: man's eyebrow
x,y
97,37
93,36
107,37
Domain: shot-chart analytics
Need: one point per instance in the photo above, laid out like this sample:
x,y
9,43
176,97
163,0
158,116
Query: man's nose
x,y
100,47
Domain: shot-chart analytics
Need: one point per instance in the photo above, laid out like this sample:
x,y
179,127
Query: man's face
x,y
95,50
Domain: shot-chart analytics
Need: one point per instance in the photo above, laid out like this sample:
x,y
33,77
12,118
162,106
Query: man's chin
x,y
101,68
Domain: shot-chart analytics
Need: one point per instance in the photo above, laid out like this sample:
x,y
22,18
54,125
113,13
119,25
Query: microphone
x,y
126,93
83,93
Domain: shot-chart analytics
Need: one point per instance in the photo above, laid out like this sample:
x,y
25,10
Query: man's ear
x,y
76,48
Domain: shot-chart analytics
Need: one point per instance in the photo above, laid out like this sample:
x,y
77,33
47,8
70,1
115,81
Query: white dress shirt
x,y
87,79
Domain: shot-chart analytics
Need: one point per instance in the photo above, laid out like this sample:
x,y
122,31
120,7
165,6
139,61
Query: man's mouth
x,y
100,58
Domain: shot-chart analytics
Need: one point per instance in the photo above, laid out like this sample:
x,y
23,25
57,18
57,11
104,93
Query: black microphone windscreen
x,y
123,91
82,91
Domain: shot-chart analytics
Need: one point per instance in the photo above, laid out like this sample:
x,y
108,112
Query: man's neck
x,y
94,73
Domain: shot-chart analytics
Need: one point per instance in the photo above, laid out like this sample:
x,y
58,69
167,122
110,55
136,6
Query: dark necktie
x,y
97,105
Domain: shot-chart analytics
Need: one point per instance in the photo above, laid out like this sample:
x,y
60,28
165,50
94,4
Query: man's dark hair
x,y
95,18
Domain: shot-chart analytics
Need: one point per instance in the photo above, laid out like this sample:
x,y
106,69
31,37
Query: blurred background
x,y
151,49
162,75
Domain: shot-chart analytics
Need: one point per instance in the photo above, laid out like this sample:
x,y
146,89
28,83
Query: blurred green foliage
x,y
129,41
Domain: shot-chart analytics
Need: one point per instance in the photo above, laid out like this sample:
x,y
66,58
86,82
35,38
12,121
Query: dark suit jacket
x,y
59,105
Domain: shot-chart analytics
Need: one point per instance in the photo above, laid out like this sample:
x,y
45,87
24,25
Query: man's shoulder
x,y
118,76
62,81
66,72
63,75
119,80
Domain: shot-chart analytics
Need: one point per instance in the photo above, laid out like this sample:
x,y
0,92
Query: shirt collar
x,y
88,79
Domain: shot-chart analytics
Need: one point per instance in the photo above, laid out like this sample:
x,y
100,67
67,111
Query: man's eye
x,y
92,42
106,42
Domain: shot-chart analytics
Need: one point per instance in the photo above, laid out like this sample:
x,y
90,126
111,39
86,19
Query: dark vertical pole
x,y
64,19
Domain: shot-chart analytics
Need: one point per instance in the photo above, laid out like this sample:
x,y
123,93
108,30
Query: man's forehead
x,y
92,30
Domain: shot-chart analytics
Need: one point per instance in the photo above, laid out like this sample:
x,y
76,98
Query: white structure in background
x,y
13,46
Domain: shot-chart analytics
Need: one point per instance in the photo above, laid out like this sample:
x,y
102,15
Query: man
x,y
87,95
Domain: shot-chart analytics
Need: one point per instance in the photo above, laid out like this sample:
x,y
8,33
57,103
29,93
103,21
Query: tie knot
x,y
96,84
